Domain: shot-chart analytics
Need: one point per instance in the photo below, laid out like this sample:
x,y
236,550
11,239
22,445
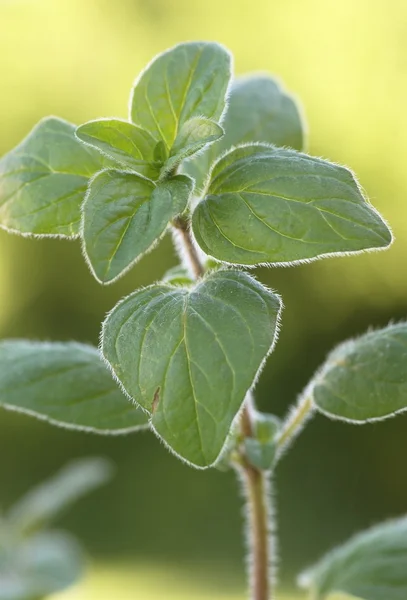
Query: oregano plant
x,y
219,163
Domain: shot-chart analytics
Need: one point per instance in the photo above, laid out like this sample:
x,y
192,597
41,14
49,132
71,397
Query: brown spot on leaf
x,y
156,400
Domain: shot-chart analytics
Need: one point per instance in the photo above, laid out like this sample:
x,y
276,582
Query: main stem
x,y
255,482
255,485
182,228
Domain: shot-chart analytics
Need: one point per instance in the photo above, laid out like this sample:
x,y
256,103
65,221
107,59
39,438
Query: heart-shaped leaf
x,y
189,80
372,565
259,110
66,384
272,205
124,142
366,378
43,181
123,217
189,356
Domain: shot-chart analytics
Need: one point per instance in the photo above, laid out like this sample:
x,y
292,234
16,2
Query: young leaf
x,y
267,427
260,455
124,215
259,110
272,205
261,448
195,134
43,180
66,384
123,142
371,566
188,356
39,566
189,80
46,502
366,378
178,275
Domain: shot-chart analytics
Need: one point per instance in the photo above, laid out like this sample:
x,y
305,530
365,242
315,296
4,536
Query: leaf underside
x,y
189,356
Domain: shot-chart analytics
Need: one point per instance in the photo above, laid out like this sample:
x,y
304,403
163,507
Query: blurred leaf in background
x,y
36,561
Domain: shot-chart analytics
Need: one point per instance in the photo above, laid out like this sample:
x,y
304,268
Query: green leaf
x,y
259,110
188,356
48,500
195,134
266,426
124,215
123,142
43,181
372,565
178,275
366,378
39,566
189,80
261,448
66,384
272,205
260,455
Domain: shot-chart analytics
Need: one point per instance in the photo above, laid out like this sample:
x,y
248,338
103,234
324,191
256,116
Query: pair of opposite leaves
x,y
262,204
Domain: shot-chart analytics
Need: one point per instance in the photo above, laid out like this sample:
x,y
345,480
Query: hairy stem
x,y
294,423
254,480
188,247
255,485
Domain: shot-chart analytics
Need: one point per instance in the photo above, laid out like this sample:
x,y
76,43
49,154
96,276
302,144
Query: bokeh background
x,y
162,530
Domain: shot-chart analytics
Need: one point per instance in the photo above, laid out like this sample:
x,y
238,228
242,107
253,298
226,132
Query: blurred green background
x,y
171,530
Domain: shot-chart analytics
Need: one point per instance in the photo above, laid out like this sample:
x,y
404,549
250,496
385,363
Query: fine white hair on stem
x,y
182,251
268,499
298,416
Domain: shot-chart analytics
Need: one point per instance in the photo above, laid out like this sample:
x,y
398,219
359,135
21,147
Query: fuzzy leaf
x,y
40,565
46,502
259,110
178,275
43,180
272,205
123,217
261,448
188,356
370,566
66,384
266,426
125,143
189,80
260,455
195,134
366,378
